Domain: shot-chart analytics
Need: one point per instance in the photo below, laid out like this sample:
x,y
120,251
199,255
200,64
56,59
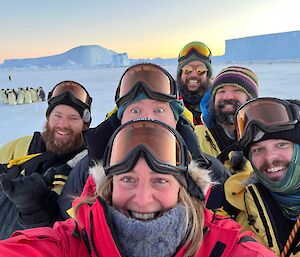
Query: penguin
x,y
41,94
5,96
12,98
27,98
21,96
34,96
2,92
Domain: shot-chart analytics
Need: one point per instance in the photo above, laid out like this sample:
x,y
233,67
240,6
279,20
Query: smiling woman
x,y
146,201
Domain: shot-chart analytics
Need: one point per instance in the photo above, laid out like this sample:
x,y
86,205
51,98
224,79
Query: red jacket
x,y
222,237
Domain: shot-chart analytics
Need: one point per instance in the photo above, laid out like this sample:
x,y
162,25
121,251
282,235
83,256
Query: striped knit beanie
x,y
237,76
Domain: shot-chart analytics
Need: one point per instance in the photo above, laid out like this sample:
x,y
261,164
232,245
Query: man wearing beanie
x,y
45,159
193,76
232,87
269,201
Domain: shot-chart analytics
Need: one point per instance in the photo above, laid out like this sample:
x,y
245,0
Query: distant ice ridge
x,y
272,47
79,57
280,46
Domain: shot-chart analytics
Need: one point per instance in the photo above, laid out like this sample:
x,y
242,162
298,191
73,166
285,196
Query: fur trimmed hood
x,y
200,176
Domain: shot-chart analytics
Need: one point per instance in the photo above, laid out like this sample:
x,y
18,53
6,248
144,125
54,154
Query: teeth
x,y
193,81
275,169
143,216
62,133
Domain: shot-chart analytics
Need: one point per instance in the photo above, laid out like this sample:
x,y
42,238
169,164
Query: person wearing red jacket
x,y
147,198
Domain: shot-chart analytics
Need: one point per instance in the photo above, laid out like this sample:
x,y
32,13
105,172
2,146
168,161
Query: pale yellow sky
x,y
143,29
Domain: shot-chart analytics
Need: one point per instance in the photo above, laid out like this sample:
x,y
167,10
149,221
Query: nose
x,y
147,114
270,155
143,196
63,123
194,73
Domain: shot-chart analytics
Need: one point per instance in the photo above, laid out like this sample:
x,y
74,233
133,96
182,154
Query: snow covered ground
x,y
275,79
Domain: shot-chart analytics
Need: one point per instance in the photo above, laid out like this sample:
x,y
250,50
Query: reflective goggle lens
x,y
187,69
160,141
151,75
77,90
199,47
265,111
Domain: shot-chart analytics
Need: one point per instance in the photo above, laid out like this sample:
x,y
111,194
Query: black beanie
x,y
292,135
68,98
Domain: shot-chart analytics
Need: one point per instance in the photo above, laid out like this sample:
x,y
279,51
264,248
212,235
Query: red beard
x,y
61,146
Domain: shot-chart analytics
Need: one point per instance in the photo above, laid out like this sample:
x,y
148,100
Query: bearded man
x,y
231,88
193,77
45,160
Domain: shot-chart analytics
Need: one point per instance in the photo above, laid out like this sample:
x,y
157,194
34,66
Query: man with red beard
x,y
232,87
268,131
193,77
45,160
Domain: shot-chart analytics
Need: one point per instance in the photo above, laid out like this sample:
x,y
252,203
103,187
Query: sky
x,y
142,29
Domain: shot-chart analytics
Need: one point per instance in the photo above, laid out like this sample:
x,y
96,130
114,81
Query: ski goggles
x,y
77,90
267,114
187,69
197,47
148,78
160,145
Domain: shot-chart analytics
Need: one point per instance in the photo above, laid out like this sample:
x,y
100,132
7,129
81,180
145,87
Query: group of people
x,y
197,166
22,95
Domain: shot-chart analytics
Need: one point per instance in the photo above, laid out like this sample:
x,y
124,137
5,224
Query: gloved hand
x,y
238,160
36,203
27,192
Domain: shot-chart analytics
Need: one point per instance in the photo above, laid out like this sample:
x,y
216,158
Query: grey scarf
x,y
157,238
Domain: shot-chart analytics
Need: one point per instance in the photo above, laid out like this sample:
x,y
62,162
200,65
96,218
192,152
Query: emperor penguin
x,y
21,96
34,96
27,98
41,94
12,98
2,93
5,96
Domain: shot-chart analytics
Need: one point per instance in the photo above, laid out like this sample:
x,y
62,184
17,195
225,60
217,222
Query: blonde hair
x,y
194,210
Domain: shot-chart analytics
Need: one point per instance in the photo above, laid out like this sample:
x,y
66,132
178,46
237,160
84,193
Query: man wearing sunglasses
x,y
42,162
193,76
269,201
232,87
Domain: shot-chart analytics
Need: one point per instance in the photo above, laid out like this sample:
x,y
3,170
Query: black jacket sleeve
x,y
73,187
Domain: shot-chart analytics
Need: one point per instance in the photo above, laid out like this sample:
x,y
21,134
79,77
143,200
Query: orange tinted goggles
x,y
77,90
155,80
187,69
269,114
198,47
163,146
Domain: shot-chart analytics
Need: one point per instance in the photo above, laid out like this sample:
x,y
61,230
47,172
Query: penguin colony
x,y
22,96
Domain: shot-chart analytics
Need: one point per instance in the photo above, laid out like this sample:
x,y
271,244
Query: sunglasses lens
x,y
151,75
199,47
75,88
157,139
187,69
200,71
268,112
